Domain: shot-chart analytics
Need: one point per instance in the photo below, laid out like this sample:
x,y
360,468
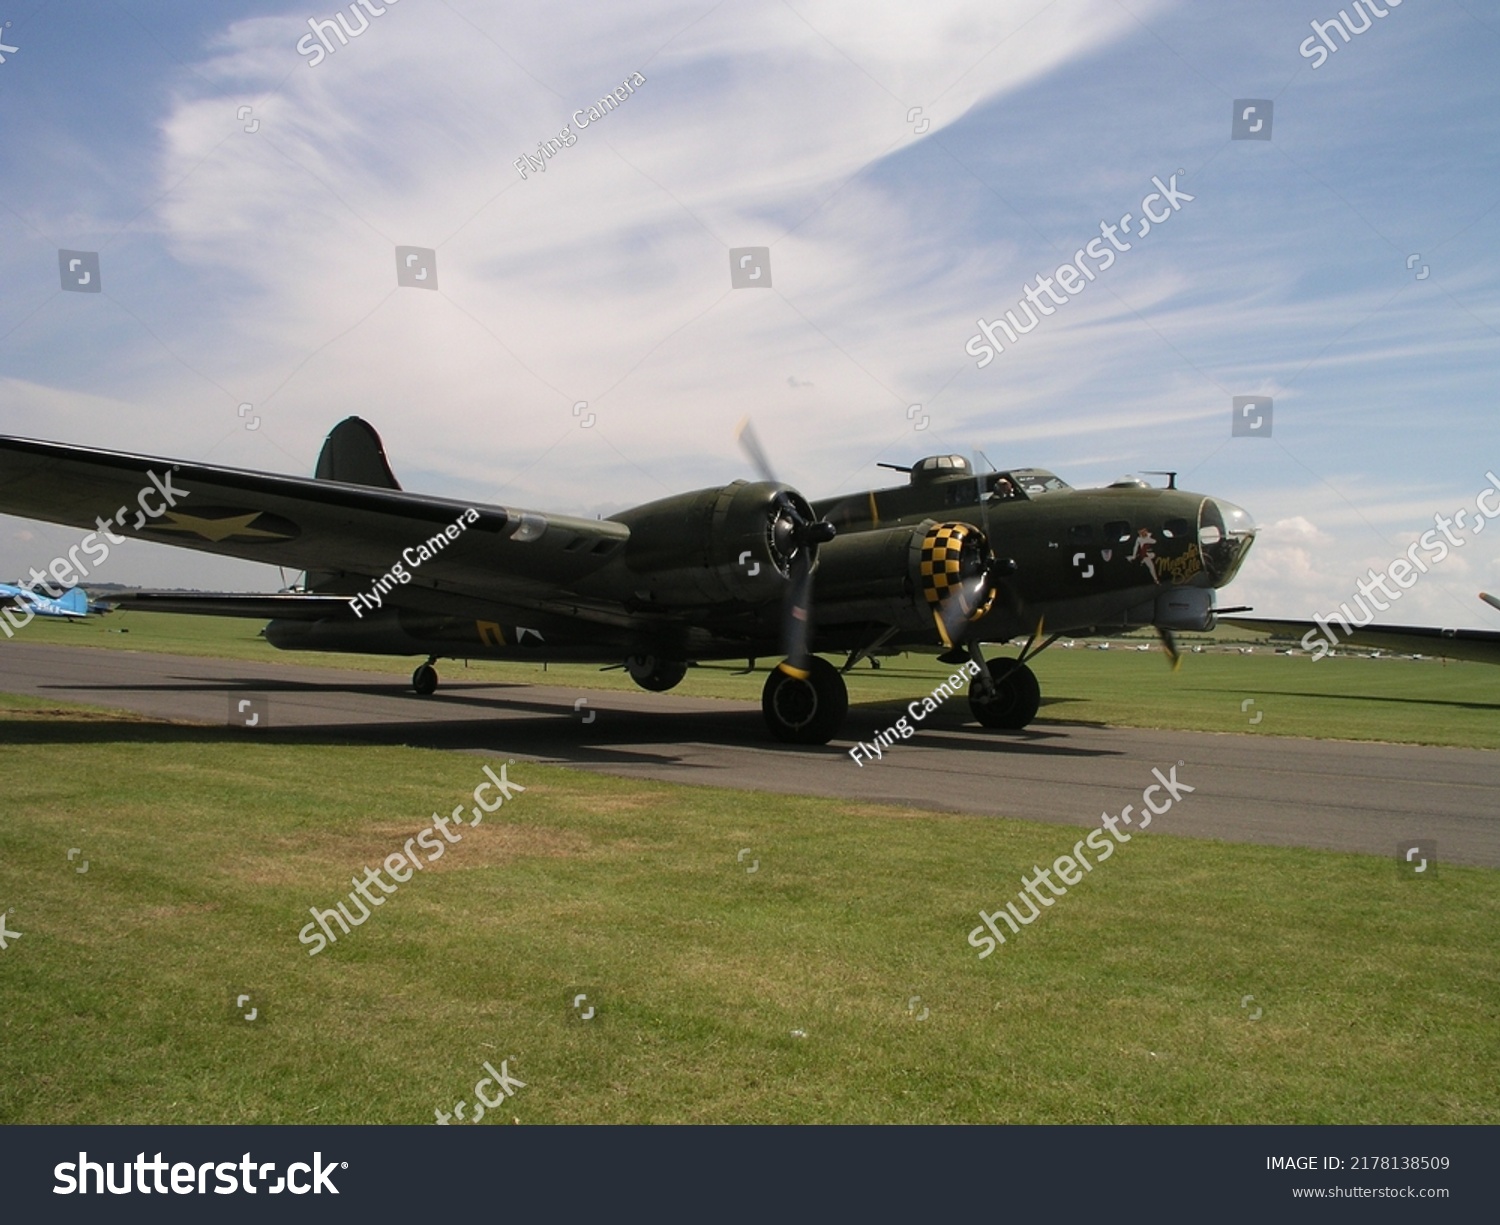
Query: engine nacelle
x,y
908,575
730,543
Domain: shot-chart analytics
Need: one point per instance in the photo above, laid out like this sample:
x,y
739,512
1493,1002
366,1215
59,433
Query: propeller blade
x,y
984,500
794,526
796,625
1169,645
744,434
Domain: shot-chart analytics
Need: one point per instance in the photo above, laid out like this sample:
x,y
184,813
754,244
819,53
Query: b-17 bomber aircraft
x,y
950,561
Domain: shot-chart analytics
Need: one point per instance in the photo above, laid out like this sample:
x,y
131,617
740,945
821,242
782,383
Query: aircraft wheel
x,y
424,680
657,675
809,711
1016,699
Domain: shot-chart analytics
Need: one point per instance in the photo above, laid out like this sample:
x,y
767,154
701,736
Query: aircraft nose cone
x,y
1225,534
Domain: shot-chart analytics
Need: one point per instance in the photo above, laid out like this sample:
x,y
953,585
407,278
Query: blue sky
x,y
258,266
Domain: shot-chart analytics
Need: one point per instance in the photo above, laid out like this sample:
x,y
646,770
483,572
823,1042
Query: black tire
x,y
424,680
805,711
656,674
1017,697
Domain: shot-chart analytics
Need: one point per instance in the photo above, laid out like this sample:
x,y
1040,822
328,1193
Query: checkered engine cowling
x,y
953,556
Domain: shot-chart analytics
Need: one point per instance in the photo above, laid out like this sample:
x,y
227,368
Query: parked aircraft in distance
x,y
1322,637
72,603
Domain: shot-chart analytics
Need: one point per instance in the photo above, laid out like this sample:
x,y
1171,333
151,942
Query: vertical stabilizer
x,y
75,602
354,455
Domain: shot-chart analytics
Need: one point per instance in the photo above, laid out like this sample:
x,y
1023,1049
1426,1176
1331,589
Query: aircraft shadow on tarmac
x,y
545,728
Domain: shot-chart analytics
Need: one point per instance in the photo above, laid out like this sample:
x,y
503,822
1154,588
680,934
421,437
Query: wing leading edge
x,y
331,527
1479,646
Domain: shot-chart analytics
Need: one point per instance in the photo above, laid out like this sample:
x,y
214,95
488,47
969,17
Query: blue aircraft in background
x,y
72,603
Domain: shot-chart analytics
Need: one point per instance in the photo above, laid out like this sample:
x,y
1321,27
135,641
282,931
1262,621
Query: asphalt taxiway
x,y
1338,795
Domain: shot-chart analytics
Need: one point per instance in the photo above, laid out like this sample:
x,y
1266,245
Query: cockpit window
x,y
1002,489
1033,481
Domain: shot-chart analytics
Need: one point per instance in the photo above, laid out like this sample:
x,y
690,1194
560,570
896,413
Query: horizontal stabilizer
x,y
286,605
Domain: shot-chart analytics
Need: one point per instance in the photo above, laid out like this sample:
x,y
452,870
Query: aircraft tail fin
x,y
353,454
75,602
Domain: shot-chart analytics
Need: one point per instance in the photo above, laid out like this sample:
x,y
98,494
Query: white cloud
x,y
265,264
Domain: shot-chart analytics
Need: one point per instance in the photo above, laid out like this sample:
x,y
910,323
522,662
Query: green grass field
x,y
831,984
1404,701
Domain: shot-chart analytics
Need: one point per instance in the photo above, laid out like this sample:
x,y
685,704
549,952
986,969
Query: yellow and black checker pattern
x,y
941,565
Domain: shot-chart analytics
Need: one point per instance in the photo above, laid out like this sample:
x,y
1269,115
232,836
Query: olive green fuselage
x,y
702,577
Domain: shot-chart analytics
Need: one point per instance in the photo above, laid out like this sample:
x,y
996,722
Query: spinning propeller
x,y
1169,645
795,535
981,575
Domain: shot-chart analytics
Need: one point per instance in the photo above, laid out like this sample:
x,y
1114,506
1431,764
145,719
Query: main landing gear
x,y
654,673
1008,695
805,709
1010,700
424,680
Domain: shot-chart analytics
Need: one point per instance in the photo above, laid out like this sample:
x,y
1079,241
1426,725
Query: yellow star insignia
x,y
216,530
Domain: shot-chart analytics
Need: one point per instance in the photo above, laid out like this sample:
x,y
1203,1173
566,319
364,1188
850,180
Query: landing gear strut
x,y
805,710
424,680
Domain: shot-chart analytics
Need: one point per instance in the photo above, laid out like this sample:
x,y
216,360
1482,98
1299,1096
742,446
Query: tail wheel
x,y
805,710
1016,698
424,680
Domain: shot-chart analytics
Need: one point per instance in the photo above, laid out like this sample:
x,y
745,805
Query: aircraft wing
x,y
1480,646
484,551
